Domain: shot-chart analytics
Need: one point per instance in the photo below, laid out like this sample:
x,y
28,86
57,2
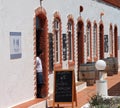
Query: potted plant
x,y
98,101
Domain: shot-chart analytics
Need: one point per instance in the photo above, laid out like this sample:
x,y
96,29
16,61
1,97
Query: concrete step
x,y
42,104
80,86
35,103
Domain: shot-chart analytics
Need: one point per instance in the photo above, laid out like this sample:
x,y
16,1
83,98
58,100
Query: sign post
x,y
64,88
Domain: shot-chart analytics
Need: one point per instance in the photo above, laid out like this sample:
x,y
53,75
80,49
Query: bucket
x,y
88,73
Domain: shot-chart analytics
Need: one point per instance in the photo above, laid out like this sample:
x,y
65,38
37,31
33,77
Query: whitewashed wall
x,y
16,75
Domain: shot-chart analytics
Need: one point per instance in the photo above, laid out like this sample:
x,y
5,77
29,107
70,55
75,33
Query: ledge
x,y
30,103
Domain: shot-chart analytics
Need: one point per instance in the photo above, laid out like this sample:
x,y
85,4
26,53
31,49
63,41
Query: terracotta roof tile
x,y
113,2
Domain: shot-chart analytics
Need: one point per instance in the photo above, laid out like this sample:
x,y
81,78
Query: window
x,y
64,47
106,43
57,40
94,40
88,39
70,47
111,41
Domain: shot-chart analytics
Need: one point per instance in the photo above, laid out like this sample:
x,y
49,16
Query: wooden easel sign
x,y
64,88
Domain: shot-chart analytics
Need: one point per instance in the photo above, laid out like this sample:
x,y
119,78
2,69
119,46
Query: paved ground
x,y
84,96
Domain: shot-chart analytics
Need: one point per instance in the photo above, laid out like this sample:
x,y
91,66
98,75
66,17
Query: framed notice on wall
x,y
64,87
15,45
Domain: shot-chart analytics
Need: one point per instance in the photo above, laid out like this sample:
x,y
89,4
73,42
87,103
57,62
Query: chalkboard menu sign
x,y
64,86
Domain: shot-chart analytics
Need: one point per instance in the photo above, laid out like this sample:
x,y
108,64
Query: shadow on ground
x,y
114,90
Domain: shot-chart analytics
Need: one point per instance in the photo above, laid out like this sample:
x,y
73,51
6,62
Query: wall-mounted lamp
x,y
101,15
81,9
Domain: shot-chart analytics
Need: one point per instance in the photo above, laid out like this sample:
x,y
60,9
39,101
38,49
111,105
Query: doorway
x,y
101,43
80,44
41,42
116,41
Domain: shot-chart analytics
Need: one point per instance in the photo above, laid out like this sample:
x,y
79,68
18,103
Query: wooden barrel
x,y
88,73
114,63
109,66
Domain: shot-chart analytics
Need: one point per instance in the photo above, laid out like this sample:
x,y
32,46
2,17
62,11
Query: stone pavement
x,y
84,96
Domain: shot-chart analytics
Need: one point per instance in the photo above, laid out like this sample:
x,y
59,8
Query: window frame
x,y
111,41
95,40
88,36
70,40
57,40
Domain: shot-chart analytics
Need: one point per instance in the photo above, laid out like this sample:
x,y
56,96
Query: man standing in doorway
x,y
39,70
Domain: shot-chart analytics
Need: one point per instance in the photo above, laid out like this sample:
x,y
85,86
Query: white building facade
x,y
67,36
